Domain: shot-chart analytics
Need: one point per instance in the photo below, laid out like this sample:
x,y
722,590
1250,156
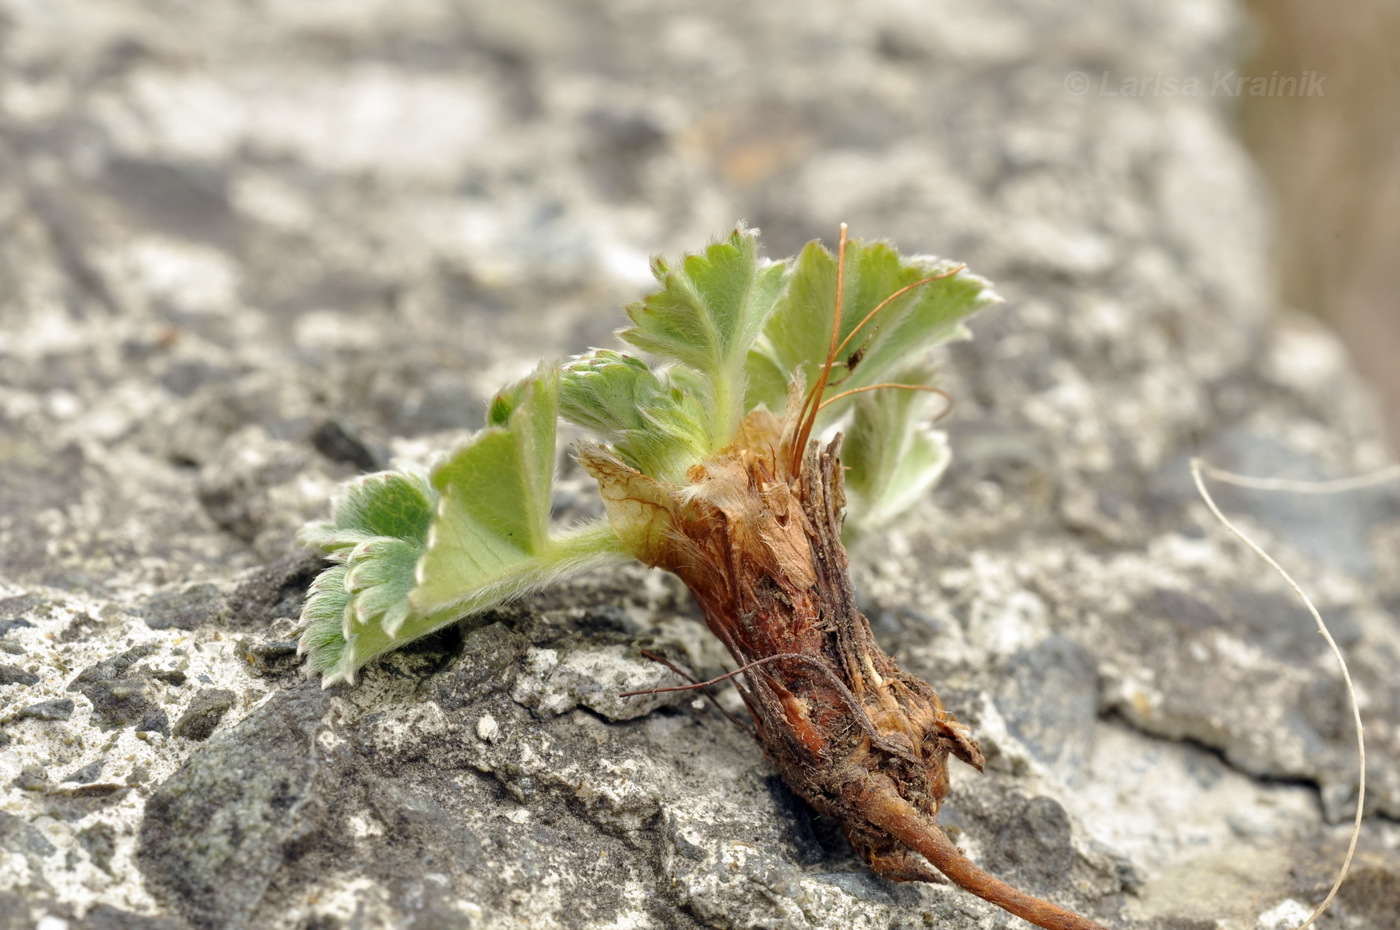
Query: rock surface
x,y
249,250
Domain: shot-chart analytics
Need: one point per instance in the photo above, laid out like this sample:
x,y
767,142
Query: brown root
x,y
856,736
880,801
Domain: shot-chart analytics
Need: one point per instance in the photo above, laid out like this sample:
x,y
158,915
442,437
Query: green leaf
x,y
324,614
490,539
375,582
653,426
797,335
706,315
420,553
379,578
603,391
385,503
891,457
494,492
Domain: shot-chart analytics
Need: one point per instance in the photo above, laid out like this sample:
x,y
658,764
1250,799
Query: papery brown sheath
x,y
757,541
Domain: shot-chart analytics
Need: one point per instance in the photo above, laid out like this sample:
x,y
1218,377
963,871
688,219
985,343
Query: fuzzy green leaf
x,y
419,554
385,503
891,457
379,577
604,390
706,315
494,492
374,583
324,614
490,537
654,427
797,336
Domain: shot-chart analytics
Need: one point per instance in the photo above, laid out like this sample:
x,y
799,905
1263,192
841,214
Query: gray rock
x,y
100,843
272,591
341,442
12,675
33,778
202,717
269,658
88,773
106,917
23,838
1049,698
58,709
213,836
252,250
119,692
13,623
183,608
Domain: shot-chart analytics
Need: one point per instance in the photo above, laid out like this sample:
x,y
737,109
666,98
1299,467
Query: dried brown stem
x,y
887,301
807,419
695,684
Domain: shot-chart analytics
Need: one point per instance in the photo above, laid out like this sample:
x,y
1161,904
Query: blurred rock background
x,y
1334,165
250,249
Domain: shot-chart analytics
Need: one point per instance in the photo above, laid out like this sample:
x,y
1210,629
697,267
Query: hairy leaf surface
x,y
652,425
892,458
706,315
797,335
419,553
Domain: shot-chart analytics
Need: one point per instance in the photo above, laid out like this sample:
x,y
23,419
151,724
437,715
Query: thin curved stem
x,y
903,387
808,418
1294,486
1197,467
886,302
695,684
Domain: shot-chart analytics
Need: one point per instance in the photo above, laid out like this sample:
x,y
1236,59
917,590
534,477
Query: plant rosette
x,y
710,461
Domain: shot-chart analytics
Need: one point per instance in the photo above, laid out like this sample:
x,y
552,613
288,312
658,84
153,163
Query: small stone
x,y
172,676
32,778
184,608
106,917
13,623
269,659
339,441
58,709
13,675
100,841
277,589
487,729
17,835
118,690
156,721
204,713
